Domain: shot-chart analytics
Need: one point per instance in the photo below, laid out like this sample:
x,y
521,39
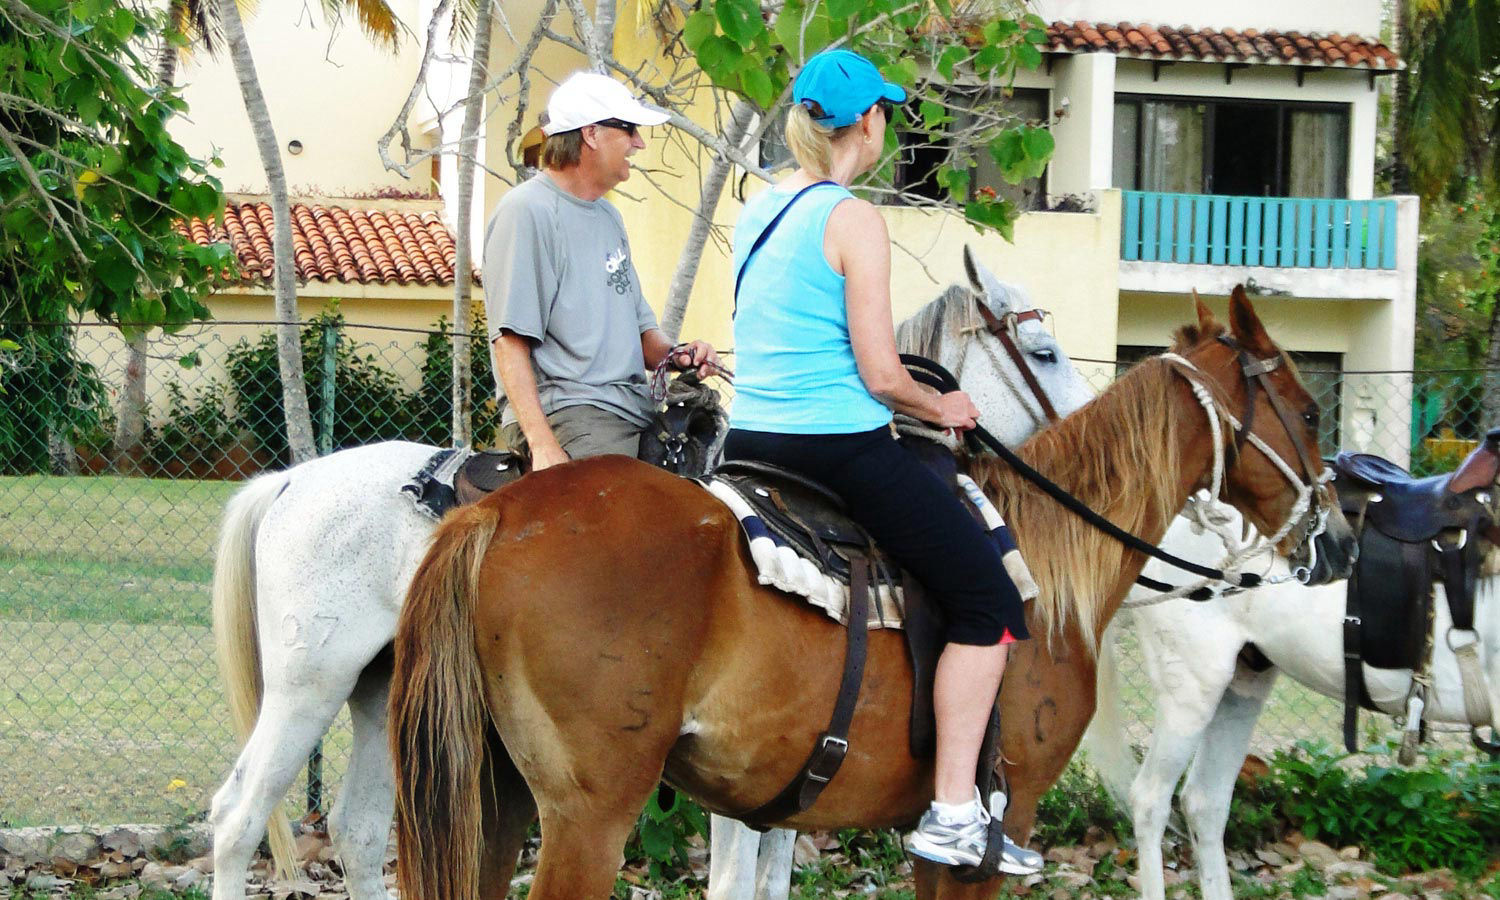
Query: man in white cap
x,y
572,334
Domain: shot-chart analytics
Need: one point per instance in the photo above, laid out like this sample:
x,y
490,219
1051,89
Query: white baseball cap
x,y
588,97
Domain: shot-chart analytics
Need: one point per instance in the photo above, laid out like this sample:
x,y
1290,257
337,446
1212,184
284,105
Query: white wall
x,y
328,87
1343,16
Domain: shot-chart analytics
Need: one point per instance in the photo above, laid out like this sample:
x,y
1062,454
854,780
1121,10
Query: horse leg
x,y
360,823
733,850
291,722
1210,781
583,839
509,811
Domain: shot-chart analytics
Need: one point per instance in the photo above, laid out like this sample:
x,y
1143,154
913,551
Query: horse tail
x,y
236,643
1107,744
438,715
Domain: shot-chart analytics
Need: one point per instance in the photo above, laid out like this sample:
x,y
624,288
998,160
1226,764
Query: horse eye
x,y
1311,417
1044,355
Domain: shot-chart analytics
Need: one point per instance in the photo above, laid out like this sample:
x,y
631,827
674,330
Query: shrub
x,y
193,430
1444,813
1077,801
369,402
48,394
435,398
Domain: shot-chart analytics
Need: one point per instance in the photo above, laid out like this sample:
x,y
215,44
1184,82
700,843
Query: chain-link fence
x,y
110,707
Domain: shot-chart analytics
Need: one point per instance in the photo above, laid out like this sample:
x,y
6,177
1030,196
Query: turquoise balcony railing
x,y
1286,232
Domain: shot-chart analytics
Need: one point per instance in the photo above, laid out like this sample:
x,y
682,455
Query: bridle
x,y
1308,512
1004,328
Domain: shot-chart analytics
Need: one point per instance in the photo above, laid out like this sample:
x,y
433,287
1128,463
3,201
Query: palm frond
x,y
375,18
1453,59
464,14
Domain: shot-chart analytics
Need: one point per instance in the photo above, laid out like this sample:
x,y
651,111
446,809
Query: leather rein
x,y
1256,373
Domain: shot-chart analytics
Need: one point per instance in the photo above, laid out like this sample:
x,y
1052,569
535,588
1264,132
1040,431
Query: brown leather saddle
x,y
1412,533
680,439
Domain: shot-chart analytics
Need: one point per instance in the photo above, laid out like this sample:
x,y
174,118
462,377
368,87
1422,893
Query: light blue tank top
x,y
794,364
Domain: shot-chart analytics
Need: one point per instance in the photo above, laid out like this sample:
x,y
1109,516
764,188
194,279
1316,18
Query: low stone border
x,y
82,845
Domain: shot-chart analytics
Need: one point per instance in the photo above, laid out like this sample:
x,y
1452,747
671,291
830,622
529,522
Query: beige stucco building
x,y
1211,143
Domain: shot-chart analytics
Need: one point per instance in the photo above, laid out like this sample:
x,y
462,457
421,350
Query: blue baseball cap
x,y
842,85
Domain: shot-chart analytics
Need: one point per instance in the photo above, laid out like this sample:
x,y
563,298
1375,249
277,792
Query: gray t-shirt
x,y
557,270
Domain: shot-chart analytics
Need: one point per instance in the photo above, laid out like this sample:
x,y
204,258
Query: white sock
x,y
956,813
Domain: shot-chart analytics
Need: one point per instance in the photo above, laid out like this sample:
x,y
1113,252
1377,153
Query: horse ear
x,y
971,268
1244,324
1205,315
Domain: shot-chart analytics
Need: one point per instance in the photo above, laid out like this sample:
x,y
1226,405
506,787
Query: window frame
x,y
1211,106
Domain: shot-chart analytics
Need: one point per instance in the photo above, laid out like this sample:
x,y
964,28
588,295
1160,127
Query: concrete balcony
x,y
1293,246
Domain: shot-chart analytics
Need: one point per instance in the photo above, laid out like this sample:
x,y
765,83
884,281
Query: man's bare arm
x,y
513,366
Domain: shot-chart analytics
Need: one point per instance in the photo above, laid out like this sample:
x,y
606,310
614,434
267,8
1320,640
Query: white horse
x,y
313,564
1207,699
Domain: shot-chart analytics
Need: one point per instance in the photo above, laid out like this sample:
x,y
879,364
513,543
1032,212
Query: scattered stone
x,y
41,881
125,841
1075,879
61,865
1350,852
1291,868
1350,869
1342,892
1061,894
204,864
328,854
111,870
1270,857
154,874
189,877
1319,855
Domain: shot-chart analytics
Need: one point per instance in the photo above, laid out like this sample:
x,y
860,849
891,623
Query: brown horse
x,y
596,627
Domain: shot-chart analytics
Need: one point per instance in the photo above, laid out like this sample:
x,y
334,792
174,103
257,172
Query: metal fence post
x,y
325,446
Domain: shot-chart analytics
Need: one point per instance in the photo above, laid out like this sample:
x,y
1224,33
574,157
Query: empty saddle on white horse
x,y
1413,532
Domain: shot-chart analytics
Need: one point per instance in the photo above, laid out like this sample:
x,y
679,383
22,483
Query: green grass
x,y
110,705
108,549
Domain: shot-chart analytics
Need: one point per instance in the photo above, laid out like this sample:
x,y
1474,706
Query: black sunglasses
x,y
629,128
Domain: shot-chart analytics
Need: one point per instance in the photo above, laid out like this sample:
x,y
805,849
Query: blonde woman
x,y
818,379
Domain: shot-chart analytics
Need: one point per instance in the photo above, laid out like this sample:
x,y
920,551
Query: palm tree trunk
x,y
468,164
1400,166
681,290
288,349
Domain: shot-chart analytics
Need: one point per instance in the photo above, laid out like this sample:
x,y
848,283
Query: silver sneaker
x,y
963,844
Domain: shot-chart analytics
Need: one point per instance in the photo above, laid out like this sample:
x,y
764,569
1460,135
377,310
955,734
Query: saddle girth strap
x,y
1460,565
833,744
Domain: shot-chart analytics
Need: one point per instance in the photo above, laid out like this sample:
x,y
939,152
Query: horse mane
x,y
932,327
1117,451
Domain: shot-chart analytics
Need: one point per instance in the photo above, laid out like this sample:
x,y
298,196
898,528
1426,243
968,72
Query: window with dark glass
x,y
1240,147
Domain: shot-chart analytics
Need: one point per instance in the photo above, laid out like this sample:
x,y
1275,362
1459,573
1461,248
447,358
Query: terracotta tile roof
x,y
1290,48
337,243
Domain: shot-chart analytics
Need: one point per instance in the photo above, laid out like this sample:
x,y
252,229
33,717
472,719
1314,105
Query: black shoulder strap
x,y
765,233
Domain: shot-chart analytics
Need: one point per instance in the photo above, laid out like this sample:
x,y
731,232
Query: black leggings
x,y
912,515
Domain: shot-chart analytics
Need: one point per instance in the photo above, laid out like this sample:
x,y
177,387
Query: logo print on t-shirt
x,y
617,267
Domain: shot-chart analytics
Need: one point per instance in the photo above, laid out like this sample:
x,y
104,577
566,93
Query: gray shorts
x,y
582,430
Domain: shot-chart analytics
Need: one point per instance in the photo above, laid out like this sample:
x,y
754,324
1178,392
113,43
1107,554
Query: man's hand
x,y
700,354
547,455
